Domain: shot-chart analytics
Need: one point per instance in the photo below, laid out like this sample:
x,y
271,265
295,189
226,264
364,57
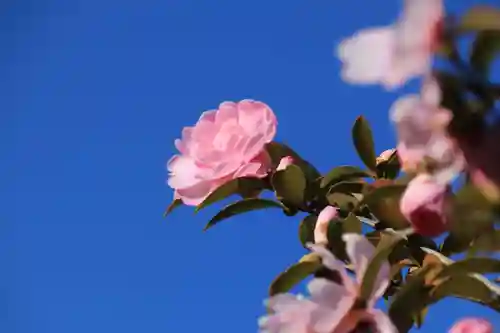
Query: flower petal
x,y
361,251
383,322
183,172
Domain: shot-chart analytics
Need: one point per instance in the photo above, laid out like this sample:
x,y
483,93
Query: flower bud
x,y
423,204
284,163
385,155
472,325
321,229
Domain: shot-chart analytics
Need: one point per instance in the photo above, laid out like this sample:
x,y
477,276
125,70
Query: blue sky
x,y
92,95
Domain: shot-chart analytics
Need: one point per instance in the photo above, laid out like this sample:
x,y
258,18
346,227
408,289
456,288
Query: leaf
x,y
295,274
480,18
382,252
306,229
409,301
344,172
348,187
242,206
229,188
389,169
278,150
290,185
363,141
486,46
472,265
343,201
419,317
351,224
487,242
173,205
384,204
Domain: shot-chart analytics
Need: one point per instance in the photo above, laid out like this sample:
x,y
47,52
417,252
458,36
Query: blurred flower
x,y
224,144
321,229
424,204
393,54
472,325
333,307
423,140
284,162
385,155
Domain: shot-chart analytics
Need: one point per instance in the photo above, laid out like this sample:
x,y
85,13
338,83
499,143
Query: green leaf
x,y
384,204
295,274
348,187
344,172
487,242
306,229
290,185
409,301
467,287
389,169
278,150
382,252
242,206
175,203
234,186
351,224
471,265
480,18
363,141
343,201
486,46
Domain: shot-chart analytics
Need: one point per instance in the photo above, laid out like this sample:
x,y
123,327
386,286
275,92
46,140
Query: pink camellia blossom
x,y
385,155
284,162
421,126
224,144
393,54
333,307
472,325
321,229
424,204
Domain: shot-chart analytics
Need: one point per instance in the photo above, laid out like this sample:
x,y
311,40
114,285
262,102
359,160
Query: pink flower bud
x,y
472,325
385,155
284,162
423,204
321,230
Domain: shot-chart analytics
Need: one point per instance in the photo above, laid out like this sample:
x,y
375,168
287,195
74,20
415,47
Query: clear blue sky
x,y
92,95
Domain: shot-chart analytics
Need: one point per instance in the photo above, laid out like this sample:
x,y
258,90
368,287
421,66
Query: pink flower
x,y
392,55
472,325
321,229
332,307
422,134
284,162
385,155
224,144
424,203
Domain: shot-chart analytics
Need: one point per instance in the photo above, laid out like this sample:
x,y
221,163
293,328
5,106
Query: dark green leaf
x,y
343,201
363,141
224,191
335,242
382,252
278,150
348,187
410,300
344,172
487,242
384,204
388,191
306,229
480,18
295,274
351,224
290,185
389,169
486,46
242,206
471,265
175,203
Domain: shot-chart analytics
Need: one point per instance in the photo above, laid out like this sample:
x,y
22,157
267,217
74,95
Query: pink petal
x,y
361,252
207,116
194,195
321,229
249,170
284,163
227,112
292,315
367,55
183,172
472,325
383,322
330,262
431,92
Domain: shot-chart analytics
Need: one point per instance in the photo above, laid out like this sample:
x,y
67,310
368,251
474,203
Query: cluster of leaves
x,y
367,199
